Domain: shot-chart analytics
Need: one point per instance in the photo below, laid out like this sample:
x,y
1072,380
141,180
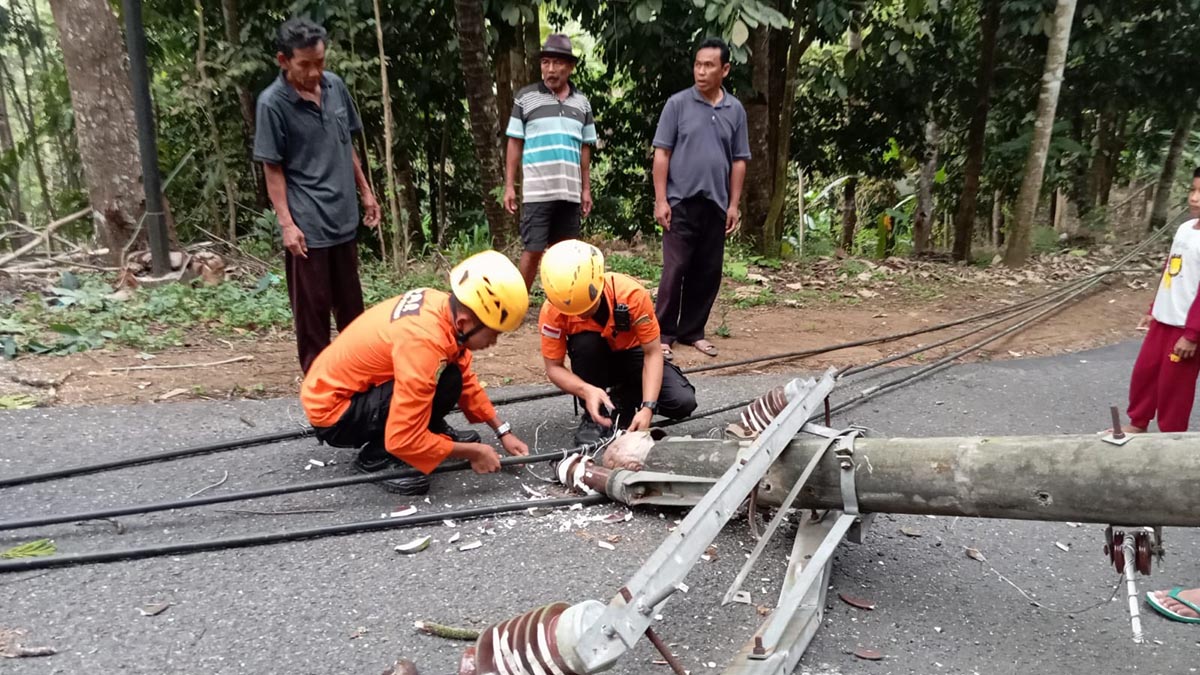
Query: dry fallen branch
x,y
180,366
44,236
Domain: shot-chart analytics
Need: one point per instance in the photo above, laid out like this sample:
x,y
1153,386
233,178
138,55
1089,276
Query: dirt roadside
x,y
1108,315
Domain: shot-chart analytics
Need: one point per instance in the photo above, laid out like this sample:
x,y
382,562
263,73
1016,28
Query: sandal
x,y
1159,607
705,347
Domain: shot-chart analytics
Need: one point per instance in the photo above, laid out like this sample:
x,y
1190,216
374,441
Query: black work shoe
x,y
370,461
468,436
589,432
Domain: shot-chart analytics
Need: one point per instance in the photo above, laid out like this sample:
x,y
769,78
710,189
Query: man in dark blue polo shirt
x,y
700,153
303,136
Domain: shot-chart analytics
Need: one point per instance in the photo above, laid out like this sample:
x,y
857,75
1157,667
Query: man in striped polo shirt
x,y
549,134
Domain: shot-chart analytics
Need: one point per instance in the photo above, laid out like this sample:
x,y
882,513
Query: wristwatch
x,y
505,428
651,405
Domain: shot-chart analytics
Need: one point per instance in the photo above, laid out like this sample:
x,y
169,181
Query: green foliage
x,y
17,402
34,549
634,266
1045,240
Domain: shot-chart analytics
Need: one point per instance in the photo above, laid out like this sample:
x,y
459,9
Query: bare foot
x,y
1192,595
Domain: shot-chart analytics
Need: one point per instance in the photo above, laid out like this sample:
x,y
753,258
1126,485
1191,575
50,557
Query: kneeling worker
x,y
385,384
606,323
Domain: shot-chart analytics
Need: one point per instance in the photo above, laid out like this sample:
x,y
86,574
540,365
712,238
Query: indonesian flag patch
x,y
551,332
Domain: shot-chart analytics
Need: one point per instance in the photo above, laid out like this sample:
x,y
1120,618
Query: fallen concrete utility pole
x,y
1058,478
1149,480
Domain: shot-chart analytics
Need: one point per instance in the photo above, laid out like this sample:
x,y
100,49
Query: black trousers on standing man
x,y
324,282
693,252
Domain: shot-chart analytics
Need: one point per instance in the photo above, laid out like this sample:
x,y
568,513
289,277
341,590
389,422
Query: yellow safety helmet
x,y
492,287
573,276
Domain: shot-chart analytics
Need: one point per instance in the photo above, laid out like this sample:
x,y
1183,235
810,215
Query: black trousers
x,y
598,365
325,282
364,423
693,251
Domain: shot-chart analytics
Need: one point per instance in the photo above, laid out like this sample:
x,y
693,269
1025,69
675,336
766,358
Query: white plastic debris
x,y
471,546
449,523
1062,546
316,462
606,546
415,546
454,537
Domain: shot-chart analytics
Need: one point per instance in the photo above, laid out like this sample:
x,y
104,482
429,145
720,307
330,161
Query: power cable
x,y
266,538
205,500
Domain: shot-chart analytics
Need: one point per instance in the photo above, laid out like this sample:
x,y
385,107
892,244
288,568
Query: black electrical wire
x,y
266,538
260,493
207,448
1072,291
548,392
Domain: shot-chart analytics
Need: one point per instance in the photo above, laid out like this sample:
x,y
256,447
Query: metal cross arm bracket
x,y
624,621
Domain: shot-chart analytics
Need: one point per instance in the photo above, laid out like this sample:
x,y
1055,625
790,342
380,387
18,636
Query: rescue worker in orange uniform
x,y
606,323
386,383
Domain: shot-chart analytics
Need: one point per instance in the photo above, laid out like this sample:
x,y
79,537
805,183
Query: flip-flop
x,y
705,347
667,353
1174,616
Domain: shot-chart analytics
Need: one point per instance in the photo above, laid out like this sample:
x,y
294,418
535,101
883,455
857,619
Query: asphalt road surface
x,y
347,604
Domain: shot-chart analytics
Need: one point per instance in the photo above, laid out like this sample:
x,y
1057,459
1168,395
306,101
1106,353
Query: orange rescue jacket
x,y
618,289
409,339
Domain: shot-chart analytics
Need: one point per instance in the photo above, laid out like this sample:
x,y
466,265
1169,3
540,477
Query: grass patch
x,y
634,266
84,313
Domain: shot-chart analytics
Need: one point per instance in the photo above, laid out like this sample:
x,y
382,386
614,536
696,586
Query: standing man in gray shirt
x,y
700,152
303,131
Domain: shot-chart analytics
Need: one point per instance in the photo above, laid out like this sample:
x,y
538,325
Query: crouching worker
x,y
386,383
606,324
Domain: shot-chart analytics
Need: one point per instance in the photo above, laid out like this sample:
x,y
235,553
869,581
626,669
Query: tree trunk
x,y
964,219
12,195
759,179
1019,235
98,75
410,201
800,230
1113,157
518,59
65,157
1166,179
773,228
532,34
444,152
214,132
923,218
233,35
400,241
997,219
481,103
26,113
502,64
849,214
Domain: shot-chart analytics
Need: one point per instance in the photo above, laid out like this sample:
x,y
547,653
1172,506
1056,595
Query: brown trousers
x,y
325,282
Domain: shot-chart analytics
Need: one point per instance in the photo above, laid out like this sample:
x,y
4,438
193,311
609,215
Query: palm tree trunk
x,y
759,179
1020,234
481,103
964,219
